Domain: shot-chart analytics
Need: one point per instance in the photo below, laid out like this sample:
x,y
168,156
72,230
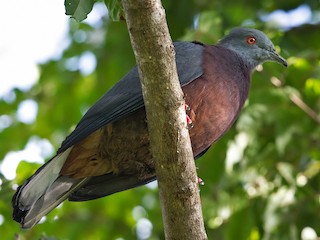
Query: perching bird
x,y
109,152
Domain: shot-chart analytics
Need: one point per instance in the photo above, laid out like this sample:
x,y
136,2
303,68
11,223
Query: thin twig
x,y
297,101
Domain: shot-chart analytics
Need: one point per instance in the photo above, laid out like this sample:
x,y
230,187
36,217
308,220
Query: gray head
x,y
252,45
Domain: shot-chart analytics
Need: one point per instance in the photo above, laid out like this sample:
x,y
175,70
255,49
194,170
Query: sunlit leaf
x,y
78,9
313,86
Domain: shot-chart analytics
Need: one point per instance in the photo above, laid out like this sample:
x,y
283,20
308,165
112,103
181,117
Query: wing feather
x,y
126,96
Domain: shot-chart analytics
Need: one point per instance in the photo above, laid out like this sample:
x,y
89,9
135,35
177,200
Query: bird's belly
x,y
126,144
208,128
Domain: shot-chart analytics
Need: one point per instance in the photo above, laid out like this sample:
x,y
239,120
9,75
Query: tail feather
x,y
55,194
34,188
101,186
45,190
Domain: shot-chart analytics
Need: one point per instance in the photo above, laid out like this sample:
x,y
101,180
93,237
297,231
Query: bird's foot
x,y
189,121
200,181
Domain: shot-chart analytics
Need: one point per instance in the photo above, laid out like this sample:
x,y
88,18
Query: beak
x,y
277,58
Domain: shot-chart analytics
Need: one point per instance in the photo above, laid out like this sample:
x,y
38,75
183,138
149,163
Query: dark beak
x,y
277,58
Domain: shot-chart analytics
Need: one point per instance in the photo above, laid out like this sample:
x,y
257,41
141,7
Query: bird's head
x,y
253,46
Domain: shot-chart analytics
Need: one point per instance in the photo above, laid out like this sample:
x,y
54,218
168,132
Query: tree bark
x,y
169,136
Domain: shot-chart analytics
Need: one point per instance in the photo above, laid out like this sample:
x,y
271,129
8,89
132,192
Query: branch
x,y
298,101
169,137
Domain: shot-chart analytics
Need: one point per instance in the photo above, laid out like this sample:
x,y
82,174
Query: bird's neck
x,y
237,67
247,59
229,71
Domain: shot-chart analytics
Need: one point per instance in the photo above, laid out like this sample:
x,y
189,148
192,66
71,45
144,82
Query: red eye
x,y
251,40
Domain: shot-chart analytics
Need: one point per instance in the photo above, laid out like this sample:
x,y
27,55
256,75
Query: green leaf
x,y
78,9
115,9
312,86
24,170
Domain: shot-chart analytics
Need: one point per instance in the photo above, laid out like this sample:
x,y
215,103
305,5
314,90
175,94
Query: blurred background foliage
x,y
261,179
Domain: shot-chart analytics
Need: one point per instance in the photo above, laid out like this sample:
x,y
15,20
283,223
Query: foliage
x,y
262,178
78,9
115,9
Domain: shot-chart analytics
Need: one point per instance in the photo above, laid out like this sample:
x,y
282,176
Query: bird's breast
x,y
214,107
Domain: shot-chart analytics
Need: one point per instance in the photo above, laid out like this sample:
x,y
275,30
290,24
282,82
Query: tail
x,y
45,190
104,185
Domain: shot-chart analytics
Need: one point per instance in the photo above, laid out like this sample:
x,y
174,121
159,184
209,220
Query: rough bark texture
x,y
169,136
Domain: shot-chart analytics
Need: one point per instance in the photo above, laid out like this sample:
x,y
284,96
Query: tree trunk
x,y
169,136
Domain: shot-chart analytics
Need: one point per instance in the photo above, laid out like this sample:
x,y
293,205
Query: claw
x,y
189,121
200,181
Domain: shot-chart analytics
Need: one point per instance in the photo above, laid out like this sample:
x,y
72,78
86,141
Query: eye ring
x,y
251,40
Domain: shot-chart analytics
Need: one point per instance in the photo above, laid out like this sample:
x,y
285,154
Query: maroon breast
x,y
216,97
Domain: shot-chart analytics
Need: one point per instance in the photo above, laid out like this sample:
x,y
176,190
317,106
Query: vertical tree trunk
x,y
169,136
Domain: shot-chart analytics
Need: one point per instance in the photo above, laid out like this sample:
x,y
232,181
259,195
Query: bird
x,y
108,151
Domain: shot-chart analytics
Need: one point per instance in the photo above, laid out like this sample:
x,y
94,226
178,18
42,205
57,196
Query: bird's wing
x,y
126,96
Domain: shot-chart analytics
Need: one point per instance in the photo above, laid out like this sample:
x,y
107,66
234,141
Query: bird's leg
x,y
189,121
